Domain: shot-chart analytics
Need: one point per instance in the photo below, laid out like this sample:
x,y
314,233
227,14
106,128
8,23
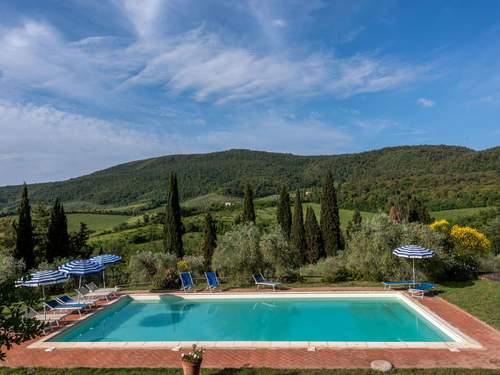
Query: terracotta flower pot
x,y
190,368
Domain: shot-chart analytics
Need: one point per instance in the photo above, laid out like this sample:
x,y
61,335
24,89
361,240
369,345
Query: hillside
x,y
445,177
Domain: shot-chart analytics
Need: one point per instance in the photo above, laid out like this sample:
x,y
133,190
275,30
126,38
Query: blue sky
x,y
89,84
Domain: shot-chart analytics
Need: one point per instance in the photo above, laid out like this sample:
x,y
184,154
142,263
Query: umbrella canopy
x,y
106,260
42,278
81,268
413,252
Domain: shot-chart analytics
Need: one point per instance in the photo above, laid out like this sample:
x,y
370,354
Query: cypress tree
x,y
173,229
354,225
209,242
24,232
330,219
58,245
298,235
248,215
314,240
284,213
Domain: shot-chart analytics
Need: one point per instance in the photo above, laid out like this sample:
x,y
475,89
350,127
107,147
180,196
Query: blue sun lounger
x,y
421,289
390,284
260,280
187,281
68,301
58,306
212,281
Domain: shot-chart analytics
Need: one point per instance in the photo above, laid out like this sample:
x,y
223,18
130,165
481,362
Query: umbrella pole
x,y
103,280
80,282
43,302
413,259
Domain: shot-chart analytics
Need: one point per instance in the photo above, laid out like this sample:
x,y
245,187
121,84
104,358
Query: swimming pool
x,y
258,318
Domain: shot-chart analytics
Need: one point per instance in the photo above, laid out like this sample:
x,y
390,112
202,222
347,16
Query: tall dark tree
x,y
298,235
209,242
58,245
78,242
314,241
248,215
330,219
24,232
173,229
354,225
284,213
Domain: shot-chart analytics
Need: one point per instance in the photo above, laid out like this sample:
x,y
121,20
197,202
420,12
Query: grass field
x,y
453,215
97,222
243,371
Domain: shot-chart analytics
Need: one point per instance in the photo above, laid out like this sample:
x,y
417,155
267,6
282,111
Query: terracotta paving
x,y
488,357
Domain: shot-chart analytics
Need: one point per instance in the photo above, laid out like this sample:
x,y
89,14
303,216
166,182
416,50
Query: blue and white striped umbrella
x,y
106,260
81,268
413,252
42,278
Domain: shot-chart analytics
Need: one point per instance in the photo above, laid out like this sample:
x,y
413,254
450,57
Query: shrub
x,y
276,254
329,269
195,264
469,240
154,268
238,253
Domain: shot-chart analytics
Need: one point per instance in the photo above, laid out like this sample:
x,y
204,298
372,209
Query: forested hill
x,y
443,176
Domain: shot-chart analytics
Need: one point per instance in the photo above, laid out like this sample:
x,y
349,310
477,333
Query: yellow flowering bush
x,y
183,265
469,239
440,226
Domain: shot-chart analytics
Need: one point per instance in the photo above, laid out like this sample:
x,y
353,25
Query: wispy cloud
x,y
426,103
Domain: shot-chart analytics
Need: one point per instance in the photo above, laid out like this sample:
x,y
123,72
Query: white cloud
x,y
143,14
57,144
424,102
278,22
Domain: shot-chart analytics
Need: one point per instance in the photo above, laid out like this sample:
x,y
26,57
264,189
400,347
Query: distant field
x,y
456,214
96,222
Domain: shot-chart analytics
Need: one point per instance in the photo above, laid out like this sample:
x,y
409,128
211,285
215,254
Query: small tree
x,y
284,213
315,249
78,242
298,236
277,252
24,232
209,242
354,225
330,219
248,215
172,228
57,234
395,215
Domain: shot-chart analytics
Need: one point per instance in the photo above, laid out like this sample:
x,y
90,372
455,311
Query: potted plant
x,y
191,362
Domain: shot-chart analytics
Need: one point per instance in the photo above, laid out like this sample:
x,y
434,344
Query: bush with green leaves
x,y
329,269
158,269
10,268
238,253
276,255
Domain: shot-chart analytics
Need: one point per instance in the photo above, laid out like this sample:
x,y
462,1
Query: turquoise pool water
x,y
176,319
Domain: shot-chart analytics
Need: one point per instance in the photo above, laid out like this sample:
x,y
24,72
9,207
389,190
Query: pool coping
x,y
460,340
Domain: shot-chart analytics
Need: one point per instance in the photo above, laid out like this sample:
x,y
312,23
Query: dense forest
x,y
444,177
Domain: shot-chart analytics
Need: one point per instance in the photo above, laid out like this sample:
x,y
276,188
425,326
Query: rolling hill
x,y
445,177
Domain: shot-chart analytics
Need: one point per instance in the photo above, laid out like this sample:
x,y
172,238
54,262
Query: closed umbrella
x,y
42,278
106,260
413,252
81,268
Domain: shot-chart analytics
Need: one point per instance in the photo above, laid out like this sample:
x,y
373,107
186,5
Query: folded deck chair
x,y
85,293
260,280
57,306
390,284
212,280
187,281
48,319
420,289
67,300
94,288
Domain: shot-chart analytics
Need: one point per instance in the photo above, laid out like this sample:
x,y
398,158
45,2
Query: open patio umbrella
x,y
42,278
106,260
81,268
413,252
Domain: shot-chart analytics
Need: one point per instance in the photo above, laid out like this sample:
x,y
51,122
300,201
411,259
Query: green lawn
x,y
481,298
244,371
454,215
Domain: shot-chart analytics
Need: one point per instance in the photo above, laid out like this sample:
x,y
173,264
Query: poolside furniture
x,y
187,281
85,293
94,288
67,300
260,280
390,284
48,319
420,289
212,280
53,305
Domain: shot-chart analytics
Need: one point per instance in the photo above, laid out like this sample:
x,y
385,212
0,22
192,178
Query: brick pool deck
x,y
487,357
